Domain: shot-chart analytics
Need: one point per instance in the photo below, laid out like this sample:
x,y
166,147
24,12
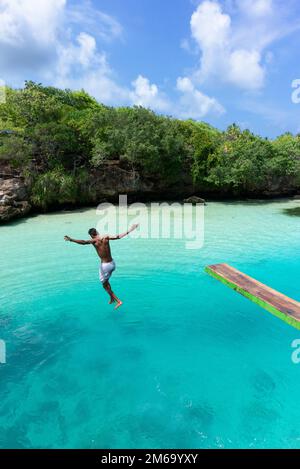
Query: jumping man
x,y
102,246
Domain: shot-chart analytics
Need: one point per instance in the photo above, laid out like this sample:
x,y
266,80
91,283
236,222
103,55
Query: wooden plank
x,y
276,303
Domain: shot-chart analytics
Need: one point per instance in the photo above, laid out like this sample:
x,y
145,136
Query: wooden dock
x,y
276,303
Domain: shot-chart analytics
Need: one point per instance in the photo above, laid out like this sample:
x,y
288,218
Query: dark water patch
x,y
5,320
102,438
200,417
238,329
37,347
137,328
263,383
46,415
293,212
59,384
97,364
49,407
130,353
83,410
259,418
171,425
14,437
153,425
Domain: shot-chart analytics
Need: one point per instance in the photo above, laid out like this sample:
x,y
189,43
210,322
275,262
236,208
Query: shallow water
x,y
185,363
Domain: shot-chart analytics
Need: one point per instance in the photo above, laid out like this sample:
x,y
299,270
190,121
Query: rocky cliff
x,y
108,182
112,180
14,197
103,184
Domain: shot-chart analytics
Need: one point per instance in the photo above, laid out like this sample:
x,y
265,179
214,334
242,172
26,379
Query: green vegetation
x,y
58,186
58,137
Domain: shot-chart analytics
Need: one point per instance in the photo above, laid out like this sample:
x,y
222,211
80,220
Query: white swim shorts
x,y
105,270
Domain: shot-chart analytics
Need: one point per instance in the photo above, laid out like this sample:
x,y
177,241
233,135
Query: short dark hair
x,y
93,232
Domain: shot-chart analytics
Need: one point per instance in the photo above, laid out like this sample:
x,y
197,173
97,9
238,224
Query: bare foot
x,y
111,301
118,304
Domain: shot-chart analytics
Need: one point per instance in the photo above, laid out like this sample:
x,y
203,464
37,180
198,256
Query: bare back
x,y
102,247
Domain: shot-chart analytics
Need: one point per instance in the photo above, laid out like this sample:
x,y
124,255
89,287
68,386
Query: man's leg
x,y
107,288
113,297
118,301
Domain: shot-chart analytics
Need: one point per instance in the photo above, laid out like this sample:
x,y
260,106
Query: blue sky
x,y
218,61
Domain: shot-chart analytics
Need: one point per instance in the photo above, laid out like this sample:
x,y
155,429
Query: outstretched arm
x,y
120,236
79,241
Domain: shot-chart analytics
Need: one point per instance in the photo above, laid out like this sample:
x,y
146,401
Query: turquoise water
x,y
185,362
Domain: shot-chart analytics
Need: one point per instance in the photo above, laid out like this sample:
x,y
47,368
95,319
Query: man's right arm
x,y
79,241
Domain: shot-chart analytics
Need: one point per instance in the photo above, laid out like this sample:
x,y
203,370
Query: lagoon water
x,y
186,362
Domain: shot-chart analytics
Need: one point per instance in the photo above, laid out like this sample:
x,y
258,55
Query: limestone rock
x,y
194,199
13,199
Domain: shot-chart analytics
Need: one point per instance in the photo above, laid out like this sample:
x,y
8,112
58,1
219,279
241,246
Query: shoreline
x,y
34,212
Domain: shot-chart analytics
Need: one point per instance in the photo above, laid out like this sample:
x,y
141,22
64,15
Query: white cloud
x,y
82,66
148,95
144,91
29,32
80,53
210,26
185,85
256,7
245,69
274,115
83,53
87,49
34,19
212,29
59,41
99,83
185,45
38,35
233,46
98,23
35,33
193,104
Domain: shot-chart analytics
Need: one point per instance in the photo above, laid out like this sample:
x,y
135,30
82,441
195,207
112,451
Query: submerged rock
x,y
194,199
293,212
263,383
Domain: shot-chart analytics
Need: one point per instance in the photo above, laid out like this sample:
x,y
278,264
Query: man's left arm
x,y
123,235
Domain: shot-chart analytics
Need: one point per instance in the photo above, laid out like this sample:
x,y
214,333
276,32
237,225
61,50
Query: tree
x,y
286,161
60,134
239,163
